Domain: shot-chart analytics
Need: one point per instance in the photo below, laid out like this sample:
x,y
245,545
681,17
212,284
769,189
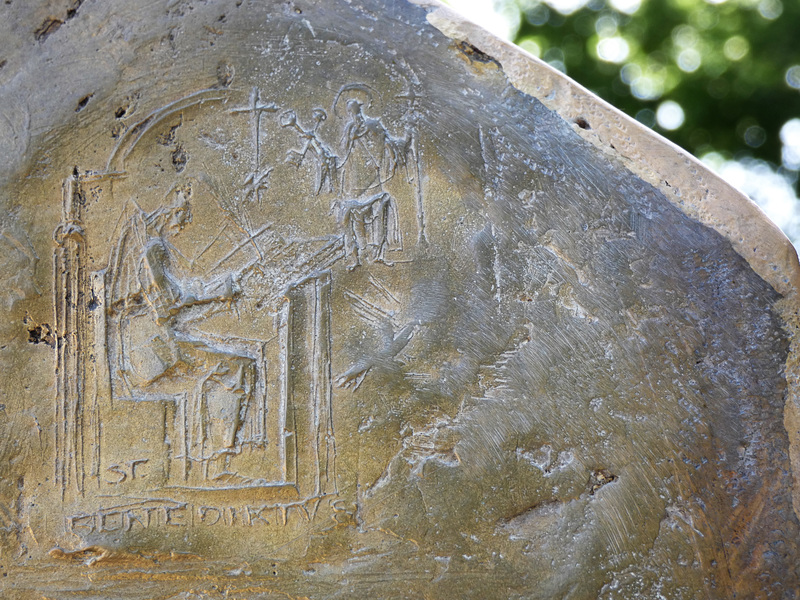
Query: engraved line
x,y
135,133
250,239
330,445
211,243
382,288
368,310
283,358
315,380
421,237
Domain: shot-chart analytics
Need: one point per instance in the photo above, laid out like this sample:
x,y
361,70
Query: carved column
x,y
70,284
306,398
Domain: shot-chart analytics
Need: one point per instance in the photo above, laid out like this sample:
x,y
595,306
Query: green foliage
x,y
726,64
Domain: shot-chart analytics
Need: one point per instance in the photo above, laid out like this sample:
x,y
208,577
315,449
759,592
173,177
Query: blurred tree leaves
x,y
711,76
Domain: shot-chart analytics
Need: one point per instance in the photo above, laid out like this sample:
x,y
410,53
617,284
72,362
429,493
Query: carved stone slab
x,y
351,300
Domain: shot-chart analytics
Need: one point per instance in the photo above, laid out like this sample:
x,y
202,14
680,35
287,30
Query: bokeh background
x,y
721,78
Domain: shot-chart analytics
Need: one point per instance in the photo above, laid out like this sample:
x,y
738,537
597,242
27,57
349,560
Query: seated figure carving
x,y
155,358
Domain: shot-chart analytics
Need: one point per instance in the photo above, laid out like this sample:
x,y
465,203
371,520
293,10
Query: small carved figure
x,y
326,161
393,344
369,223
155,357
371,154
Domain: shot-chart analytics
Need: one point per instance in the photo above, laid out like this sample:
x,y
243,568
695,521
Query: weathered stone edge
x,y
685,182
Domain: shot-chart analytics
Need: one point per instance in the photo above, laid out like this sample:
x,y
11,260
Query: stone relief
x,y
228,405
329,316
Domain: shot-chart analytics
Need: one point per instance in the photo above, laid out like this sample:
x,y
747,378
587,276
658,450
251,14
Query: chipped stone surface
x,y
682,179
351,300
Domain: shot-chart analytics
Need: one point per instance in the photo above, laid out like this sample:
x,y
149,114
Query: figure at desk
x,y
156,359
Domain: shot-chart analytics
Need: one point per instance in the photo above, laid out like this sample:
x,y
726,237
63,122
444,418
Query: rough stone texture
x,y
349,299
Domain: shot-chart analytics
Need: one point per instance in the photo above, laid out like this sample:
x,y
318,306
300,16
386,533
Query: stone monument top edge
x,y
683,179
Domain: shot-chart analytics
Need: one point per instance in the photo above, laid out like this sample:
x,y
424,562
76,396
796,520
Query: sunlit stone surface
x,y
327,301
